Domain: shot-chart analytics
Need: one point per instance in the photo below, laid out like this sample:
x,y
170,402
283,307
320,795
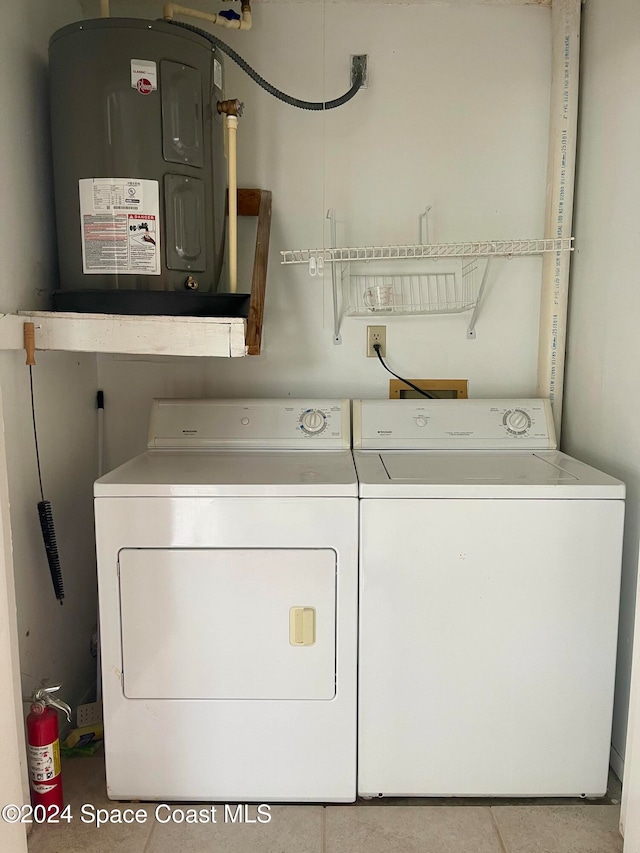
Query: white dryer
x,y
490,574
227,572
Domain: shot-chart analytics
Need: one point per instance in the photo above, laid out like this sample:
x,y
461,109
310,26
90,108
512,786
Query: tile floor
x,y
405,826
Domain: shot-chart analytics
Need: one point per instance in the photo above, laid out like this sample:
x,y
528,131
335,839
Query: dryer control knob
x,y
517,421
313,421
421,422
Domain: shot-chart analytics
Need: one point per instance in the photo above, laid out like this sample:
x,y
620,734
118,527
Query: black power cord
x,y
426,394
288,99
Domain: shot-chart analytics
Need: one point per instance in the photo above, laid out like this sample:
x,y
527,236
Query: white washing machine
x,y
489,583
227,572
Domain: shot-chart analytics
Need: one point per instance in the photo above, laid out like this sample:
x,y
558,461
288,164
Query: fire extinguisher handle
x,y
61,706
43,695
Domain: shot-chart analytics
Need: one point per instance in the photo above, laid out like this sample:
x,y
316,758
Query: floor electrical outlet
x,y
376,335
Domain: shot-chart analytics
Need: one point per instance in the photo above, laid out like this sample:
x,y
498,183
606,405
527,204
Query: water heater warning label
x,y
120,219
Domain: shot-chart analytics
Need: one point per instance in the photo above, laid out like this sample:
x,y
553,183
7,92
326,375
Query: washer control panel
x,y
453,424
249,424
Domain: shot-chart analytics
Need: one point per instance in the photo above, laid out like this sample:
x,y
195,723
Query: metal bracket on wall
x,y
337,338
471,328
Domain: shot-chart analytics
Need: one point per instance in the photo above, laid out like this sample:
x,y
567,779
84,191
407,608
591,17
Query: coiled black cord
x,y
406,381
45,514
277,93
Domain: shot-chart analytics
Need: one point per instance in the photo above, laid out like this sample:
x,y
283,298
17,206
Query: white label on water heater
x,y
144,76
120,223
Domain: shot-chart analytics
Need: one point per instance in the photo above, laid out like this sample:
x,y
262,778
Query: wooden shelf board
x,y
125,333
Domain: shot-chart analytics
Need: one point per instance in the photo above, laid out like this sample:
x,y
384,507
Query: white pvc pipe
x,y
565,47
232,127
169,10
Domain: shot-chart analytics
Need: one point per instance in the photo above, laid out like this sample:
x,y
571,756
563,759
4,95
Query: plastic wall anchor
x,y
312,266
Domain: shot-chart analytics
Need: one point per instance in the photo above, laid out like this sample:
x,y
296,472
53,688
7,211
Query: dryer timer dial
x,y
313,421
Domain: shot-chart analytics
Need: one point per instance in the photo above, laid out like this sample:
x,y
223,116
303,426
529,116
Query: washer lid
x,y
477,474
231,474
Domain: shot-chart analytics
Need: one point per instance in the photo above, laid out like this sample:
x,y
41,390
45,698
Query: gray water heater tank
x,y
139,169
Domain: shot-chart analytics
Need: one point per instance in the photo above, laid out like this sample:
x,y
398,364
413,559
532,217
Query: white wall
x,y
456,116
13,776
54,640
602,400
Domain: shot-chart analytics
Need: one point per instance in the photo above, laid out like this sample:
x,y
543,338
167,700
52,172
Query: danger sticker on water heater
x,y
144,76
120,222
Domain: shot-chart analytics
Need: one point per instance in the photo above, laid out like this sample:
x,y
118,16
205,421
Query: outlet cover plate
x,y
376,335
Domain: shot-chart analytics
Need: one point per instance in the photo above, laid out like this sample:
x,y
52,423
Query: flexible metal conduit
x,y
565,25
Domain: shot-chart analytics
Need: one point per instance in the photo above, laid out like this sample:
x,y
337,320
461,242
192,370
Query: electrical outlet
x,y
376,335
359,69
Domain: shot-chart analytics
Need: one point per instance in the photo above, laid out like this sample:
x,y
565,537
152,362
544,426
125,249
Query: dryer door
x,y
228,623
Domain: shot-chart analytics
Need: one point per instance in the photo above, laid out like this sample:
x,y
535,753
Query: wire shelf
x,y
484,249
451,279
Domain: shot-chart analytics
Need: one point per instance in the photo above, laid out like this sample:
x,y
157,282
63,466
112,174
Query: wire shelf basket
x,y
448,289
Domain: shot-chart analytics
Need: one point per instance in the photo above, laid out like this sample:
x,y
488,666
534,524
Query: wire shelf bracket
x,y
471,328
337,337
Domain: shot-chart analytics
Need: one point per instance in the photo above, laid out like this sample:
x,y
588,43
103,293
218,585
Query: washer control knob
x,y
244,421
517,421
313,421
421,422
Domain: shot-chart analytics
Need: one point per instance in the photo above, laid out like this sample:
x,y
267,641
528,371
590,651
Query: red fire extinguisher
x,y
43,748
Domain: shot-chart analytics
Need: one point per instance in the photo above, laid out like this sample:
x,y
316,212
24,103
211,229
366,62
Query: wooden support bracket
x,y
255,202
30,343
